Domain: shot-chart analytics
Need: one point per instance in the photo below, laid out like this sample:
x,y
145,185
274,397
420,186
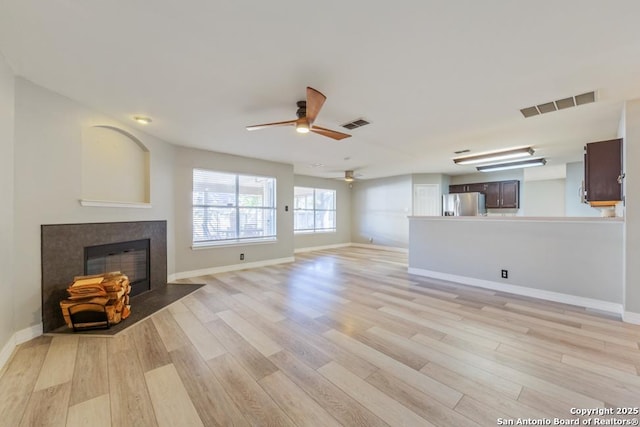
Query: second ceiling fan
x,y
307,112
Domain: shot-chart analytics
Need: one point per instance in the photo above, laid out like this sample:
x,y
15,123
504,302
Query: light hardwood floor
x,y
340,337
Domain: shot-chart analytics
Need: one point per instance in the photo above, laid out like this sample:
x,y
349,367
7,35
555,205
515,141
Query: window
x,y
314,209
230,208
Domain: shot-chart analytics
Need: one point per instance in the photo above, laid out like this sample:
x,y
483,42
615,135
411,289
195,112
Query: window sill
x,y
314,231
213,245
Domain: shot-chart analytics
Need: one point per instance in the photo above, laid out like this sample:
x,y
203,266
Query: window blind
x,y
231,207
314,209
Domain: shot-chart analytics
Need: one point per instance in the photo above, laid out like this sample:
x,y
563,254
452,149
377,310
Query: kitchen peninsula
x,y
573,260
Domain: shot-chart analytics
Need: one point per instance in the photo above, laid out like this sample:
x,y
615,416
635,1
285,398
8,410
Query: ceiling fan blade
x,y
330,133
268,125
315,100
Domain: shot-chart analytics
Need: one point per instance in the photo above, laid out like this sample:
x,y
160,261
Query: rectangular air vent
x,y
565,103
531,111
585,98
547,108
355,124
559,104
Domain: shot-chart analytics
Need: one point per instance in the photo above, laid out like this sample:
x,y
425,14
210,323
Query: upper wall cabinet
x,y
480,187
603,172
498,194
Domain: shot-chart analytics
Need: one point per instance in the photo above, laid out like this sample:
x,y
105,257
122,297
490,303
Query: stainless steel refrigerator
x,y
463,204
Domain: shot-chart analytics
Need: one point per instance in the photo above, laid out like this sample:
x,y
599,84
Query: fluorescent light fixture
x,y
142,120
492,157
302,127
512,165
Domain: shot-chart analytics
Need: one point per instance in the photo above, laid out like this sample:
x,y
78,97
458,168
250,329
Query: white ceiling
x,y
432,77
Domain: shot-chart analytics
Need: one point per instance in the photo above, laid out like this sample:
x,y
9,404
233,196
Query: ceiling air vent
x,y
585,98
531,111
547,108
565,103
559,104
355,124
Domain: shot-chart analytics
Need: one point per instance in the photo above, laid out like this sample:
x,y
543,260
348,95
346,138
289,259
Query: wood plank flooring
x,y
339,337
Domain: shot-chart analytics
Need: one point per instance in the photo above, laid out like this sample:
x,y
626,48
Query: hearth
x,y
63,258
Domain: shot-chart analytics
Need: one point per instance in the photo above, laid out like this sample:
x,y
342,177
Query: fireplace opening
x,y
130,258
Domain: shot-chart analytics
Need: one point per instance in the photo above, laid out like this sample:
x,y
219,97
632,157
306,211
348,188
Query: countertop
x,y
555,219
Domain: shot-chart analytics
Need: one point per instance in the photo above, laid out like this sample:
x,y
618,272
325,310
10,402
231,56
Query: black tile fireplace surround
x,y
63,257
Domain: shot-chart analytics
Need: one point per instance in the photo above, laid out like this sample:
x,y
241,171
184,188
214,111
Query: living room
x,y
43,128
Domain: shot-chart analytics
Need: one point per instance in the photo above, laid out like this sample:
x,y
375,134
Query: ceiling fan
x,y
307,112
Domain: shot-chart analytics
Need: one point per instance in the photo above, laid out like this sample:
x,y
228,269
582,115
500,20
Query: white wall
x,y
190,260
545,198
488,177
48,184
631,147
343,213
7,324
115,166
573,206
380,208
578,258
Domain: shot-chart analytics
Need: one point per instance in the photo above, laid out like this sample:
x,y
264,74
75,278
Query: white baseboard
x,y
29,333
609,307
232,267
380,247
322,248
631,317
7,351
19,337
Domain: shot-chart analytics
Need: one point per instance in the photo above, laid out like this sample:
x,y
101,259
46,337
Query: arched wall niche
x,y
115,166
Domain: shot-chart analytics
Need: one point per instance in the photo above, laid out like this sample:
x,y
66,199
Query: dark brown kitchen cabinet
x,y
603,171
498,194
461,188
509,194
492,195
480,187
467,188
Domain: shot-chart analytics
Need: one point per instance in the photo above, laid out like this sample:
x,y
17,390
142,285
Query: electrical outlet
x,y
242,257
505,274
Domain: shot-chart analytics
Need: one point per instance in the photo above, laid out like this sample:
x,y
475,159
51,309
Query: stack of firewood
x,y
107,292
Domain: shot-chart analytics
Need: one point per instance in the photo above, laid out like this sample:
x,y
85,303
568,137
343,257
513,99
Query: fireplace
x,y
130,258
64,256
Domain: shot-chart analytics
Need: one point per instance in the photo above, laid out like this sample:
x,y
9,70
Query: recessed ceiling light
x,y
143,119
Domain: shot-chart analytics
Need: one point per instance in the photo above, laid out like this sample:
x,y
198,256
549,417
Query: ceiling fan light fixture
x,y
302,127
348,176
307,113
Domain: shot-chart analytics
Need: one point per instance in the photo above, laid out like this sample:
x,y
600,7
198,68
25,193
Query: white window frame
x,y
237,207
314,211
